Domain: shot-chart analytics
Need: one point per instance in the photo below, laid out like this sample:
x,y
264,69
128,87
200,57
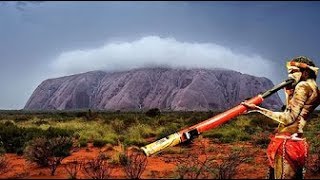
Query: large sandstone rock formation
x,y
145,88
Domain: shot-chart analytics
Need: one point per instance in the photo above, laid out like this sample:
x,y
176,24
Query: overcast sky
x,y
51,39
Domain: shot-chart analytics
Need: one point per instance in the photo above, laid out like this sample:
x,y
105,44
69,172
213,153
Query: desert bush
x,y
242,128
197,165
314,167
194,168
145,130
73,168
97,130
76,136
194,120
133,164
3,164
261,139
40,122
153,112
250,129
48,152
38,151
54,162
110,139
81,114
90,115
52,132
134,138
202,165
14,138
99,142
135,135
21,118
83,142
3,160
128,118
115,158
9,123
60,148
227,169
98,168
169,129
227,134
160,121
2,149
265,123
118,125
119,150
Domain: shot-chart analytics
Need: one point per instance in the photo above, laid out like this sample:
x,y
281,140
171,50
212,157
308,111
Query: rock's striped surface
x,y
145,88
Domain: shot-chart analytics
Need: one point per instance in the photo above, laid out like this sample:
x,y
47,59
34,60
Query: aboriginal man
x,y
288,148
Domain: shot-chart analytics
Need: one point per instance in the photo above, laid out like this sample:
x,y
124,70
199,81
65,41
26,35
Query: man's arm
x,y
300,96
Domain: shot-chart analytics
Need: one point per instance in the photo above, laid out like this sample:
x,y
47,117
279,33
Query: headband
x,y
302,65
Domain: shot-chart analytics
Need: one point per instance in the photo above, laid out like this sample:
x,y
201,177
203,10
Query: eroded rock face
x,y
163,88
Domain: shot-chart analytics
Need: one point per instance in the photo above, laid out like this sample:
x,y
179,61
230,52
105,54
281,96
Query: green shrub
x,y
98,168
38,151
9,123
60,146
169,129
112,139
261,140
2,149
227,139
263,143
262,122
83,142
244,137
118,125
40,122
21,118
90,115
315,167
133,164
14,138
41,149
250,129
55,132
134,138
3,160
81,114
153,112
145,130
227,134
99,142
213,135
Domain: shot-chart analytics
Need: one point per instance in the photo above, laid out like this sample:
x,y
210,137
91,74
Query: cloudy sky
x,y
51,39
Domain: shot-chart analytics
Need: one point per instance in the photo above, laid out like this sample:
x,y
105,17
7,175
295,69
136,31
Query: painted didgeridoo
x,y
194,131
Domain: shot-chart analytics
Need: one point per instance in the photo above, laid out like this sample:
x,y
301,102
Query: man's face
x,y
294,73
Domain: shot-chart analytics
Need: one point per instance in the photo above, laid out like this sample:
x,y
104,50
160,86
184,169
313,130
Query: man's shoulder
x,y
306,85
302,84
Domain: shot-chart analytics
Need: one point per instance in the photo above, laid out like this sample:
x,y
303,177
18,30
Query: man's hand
x,y
249,106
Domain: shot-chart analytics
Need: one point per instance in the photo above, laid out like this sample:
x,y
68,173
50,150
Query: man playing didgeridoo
x,y
288,149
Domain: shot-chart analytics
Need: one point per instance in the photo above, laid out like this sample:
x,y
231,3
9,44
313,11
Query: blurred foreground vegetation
x,y
19,127
47,137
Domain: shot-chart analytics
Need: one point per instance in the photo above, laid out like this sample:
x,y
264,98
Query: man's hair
x,y
308,61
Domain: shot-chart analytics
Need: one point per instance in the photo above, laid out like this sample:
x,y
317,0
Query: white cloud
x,y
154,50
